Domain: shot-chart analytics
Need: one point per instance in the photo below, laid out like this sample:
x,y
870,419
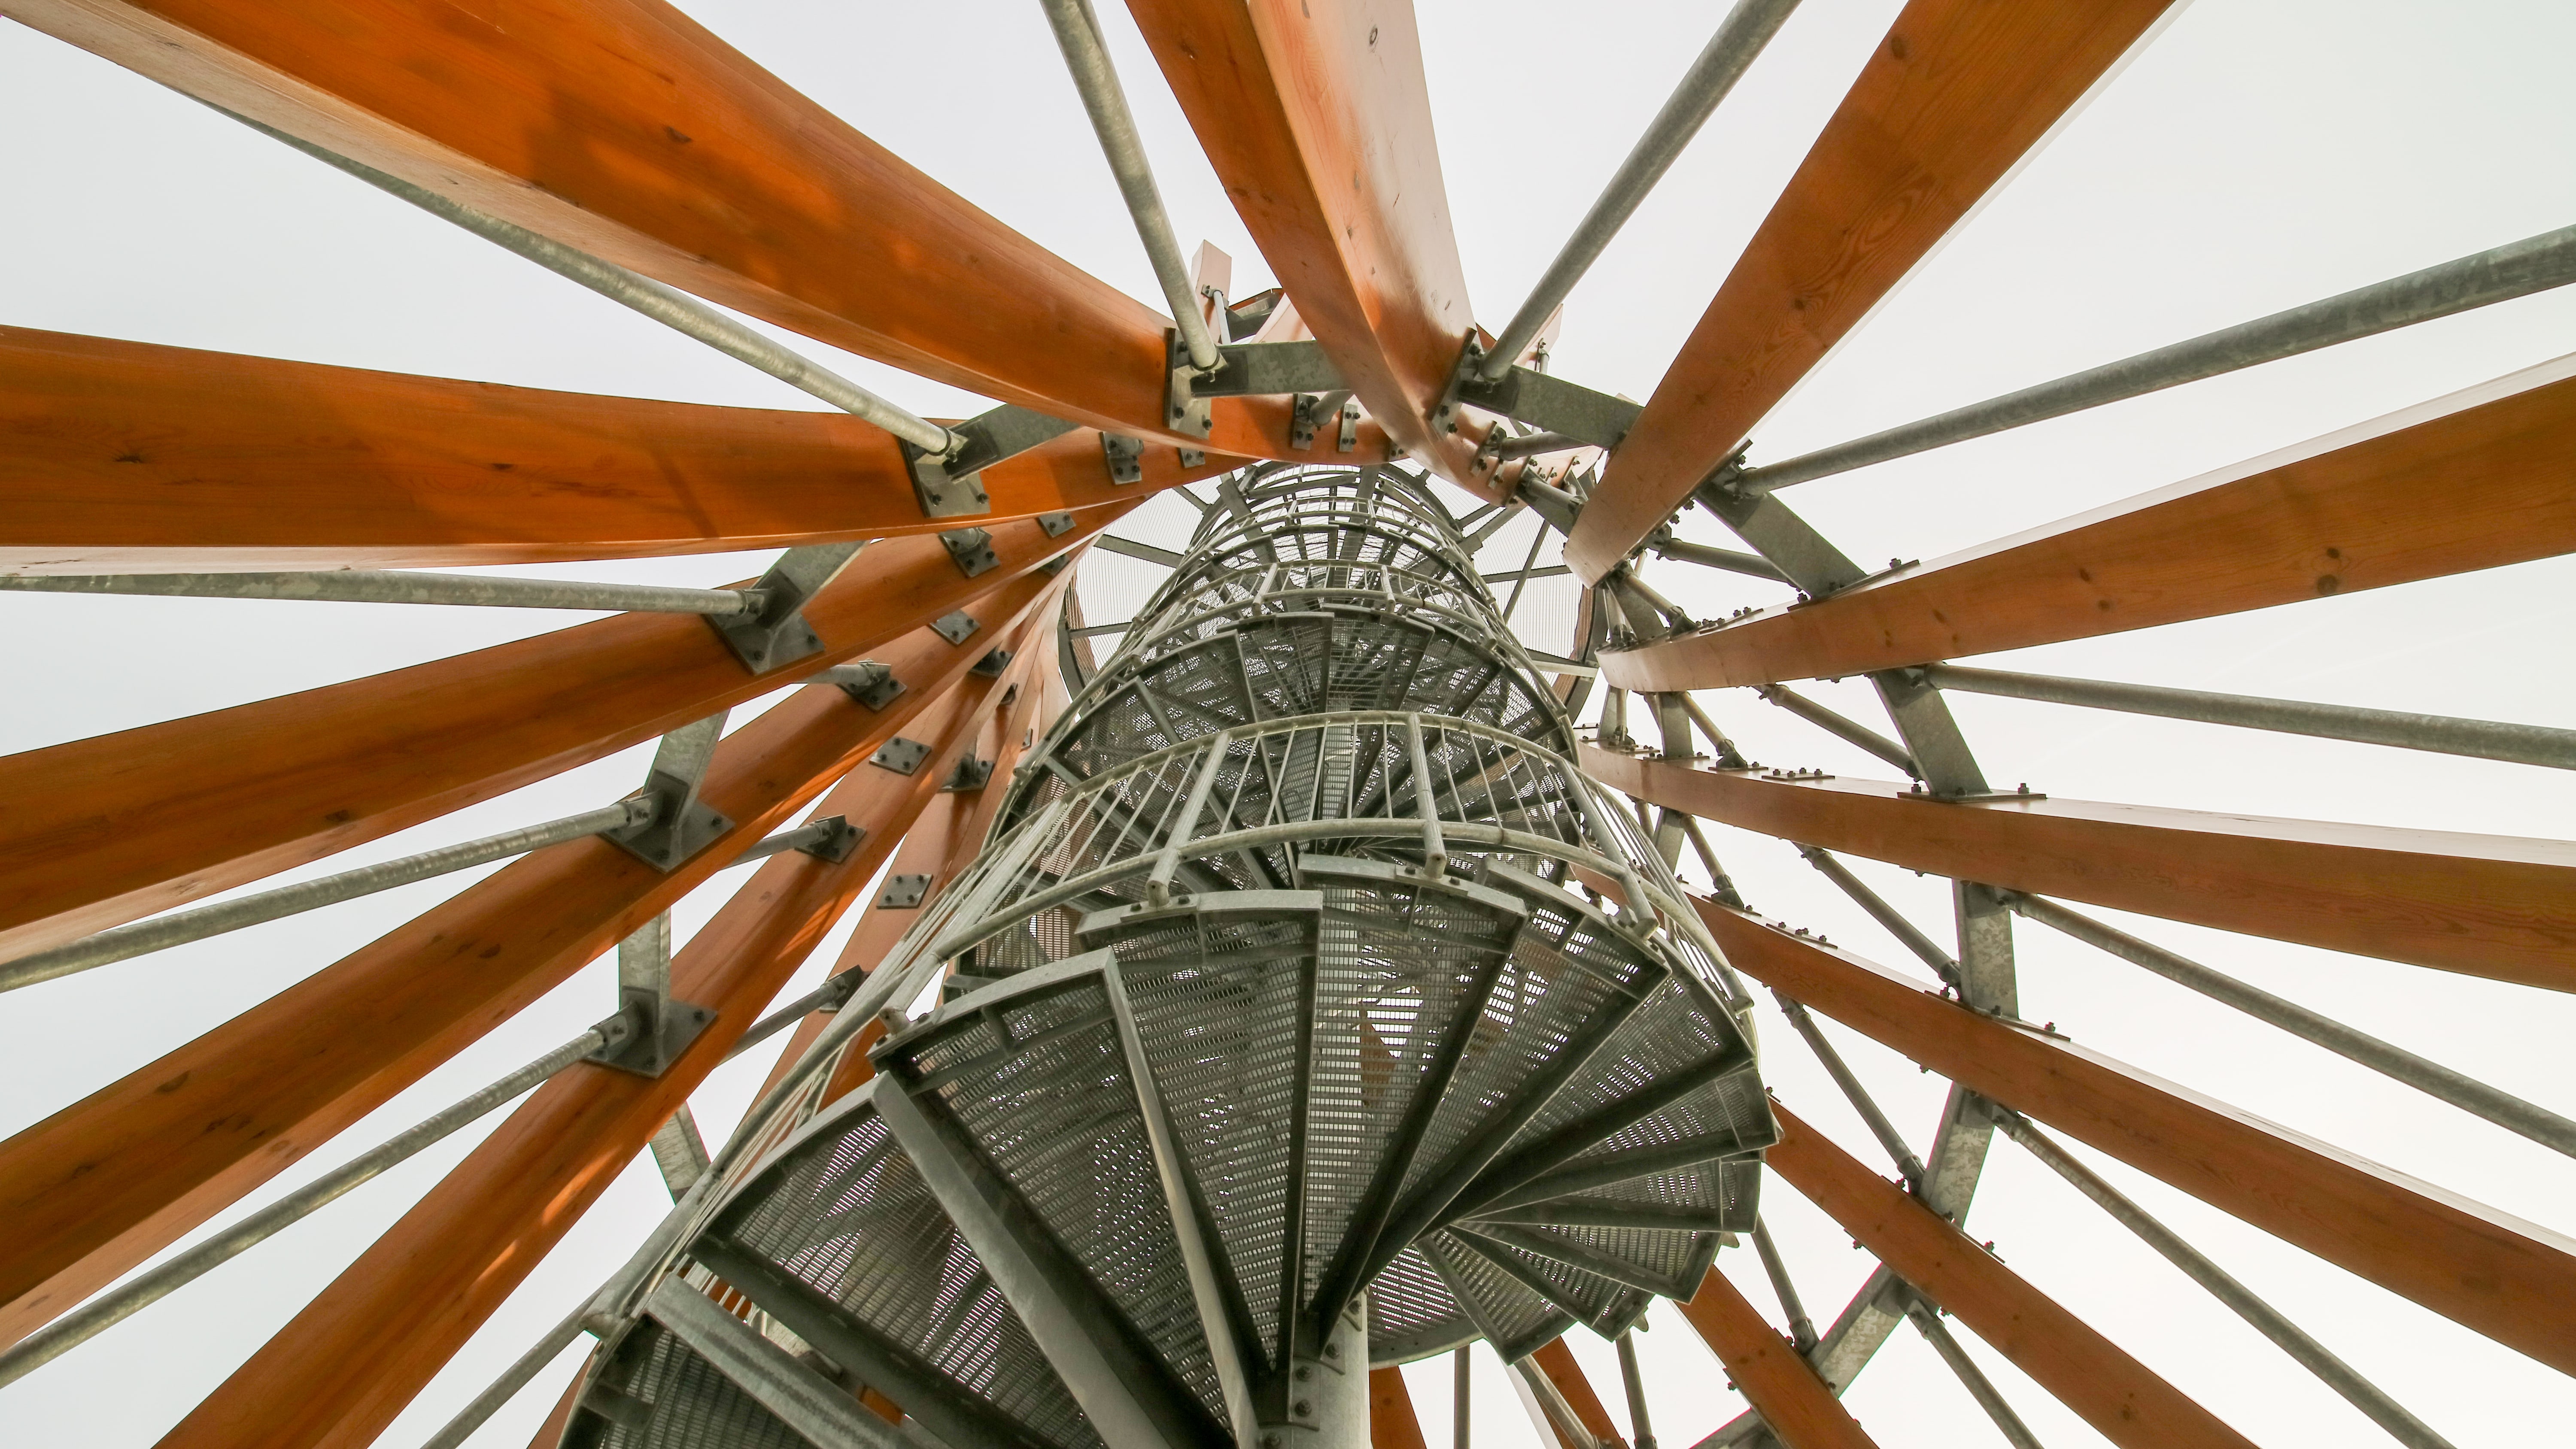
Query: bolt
x,y
1305,1371
1303,1408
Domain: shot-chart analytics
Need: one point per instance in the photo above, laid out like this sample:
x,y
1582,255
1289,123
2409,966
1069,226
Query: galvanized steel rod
x,y
1802,1329
2534,264
1752,565
1521,579
400,586
505,1388
1739,38
2339,1376
2433,1079
1927,1320
1942,963
1077,34
1641,1429
137,1293
677,311
1907,1164
159,934
2438,734
1458,1402
1849,730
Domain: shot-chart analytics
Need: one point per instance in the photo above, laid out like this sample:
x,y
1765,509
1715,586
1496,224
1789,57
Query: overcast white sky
x,y
2261,153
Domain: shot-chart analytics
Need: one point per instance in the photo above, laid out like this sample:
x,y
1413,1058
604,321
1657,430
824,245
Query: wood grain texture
x,y
344,1367
124,457
1766,1368
2483,905
1947,106
2472,481
1317,118
1392,1422
115,1177
2490,1271
2128,1402
629,131
103,830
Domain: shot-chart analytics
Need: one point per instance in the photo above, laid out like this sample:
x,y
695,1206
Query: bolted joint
x,y
871,684
943,489
835,839
972,548
653,1032
776,633
1184,411
1124,457
992,664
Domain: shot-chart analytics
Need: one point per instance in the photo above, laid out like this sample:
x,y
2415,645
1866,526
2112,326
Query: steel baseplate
x,y
676,832
840,839
777,633
992,664
1183,410
903,892
900,755
972,548
1055,524
970,775
875,689
658,1032
1124,457
956,627
941,493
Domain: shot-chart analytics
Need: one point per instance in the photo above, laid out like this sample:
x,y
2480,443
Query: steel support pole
x,y
2534,264
2338,1375
679,312
1802,1329
505,1388
1848,730
810,1405
1458,1396
1927,1320
2432,1078
1739,38
1641,1429
1907,1164
1752,565
1941,962
1077,33
402,586
2438,734
141,1291
180,927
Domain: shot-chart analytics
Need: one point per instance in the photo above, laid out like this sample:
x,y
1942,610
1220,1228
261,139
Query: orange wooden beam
x,y
1317,118
2089,1374
1392,1422
102,830
355,1357
1952,100
2471,481
2482,905
2509,1279
625,129
123,457
113,1178
1780,1385
1555,1360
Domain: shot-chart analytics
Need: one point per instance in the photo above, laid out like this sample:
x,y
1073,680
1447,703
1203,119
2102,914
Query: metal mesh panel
x,y
1600,1304
693,1406
849,1215
1672,1260
1412,1312
1514,1318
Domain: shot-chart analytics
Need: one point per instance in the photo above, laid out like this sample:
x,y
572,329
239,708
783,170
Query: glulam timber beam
x,y
355,1357
125,457
1946,107
628,131
2489,1271
1392,1422
1769,1371
2475,480
2482,905
113,1178
2124,1399
1556,1361
1317,118
97,832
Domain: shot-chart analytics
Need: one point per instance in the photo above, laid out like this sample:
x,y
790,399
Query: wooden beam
x,y
2511,1280
113,1178
1555,1360
2124,1399
1947,106
100,831
123,457
629,131
1392,1422
1316,116
339,1372
2471,481
1767,1369
2483,905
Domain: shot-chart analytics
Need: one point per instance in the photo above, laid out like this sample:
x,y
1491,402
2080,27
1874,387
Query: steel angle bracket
x,y
1124,457
1056,524
1554,404
839,839
970,775
777,633
972,548
1444,415
681,824
992,665
1184,410
868,682
951,485
956,627
658,1031
1269,369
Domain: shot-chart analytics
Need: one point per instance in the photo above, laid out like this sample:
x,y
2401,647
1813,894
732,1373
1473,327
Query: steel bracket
x,y
1192,457
868,682
1554,404
840,839
778,633
970,775
1350,437
1124,457
942,492
681,824
972,548
1055,524
992,664
903,892
1184,411
1444,417
1268,369
658,1030
951,485
900,755
956,627
1964,797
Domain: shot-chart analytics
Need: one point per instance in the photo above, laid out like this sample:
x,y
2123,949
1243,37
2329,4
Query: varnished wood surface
x,y
2472,481
1947,105
629,131
2484,905
113,1178
1555,1360
2127,1401
124,457
1766,1368
1392,1423
2490,1271
103,830
1316,116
